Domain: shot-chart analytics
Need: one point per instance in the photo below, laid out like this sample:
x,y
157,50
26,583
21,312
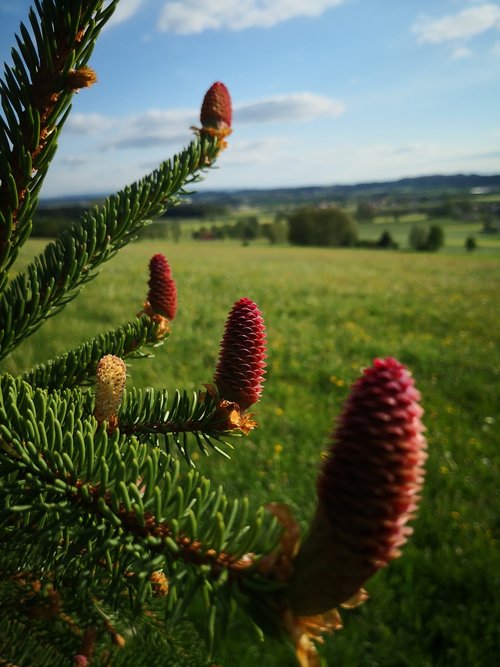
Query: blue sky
x,y
324,91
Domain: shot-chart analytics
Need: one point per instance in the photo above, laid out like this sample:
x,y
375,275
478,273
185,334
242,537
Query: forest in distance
x,y
427,213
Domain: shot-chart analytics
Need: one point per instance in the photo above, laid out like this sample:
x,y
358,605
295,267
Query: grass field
x,y
328,314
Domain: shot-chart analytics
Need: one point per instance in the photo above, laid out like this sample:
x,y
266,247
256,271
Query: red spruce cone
x,y
162,295
216,111
368,489
240,370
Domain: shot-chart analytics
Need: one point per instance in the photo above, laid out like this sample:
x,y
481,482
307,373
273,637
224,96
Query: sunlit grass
x,y
328,314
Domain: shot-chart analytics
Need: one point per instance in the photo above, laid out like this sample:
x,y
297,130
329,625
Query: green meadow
x,y
328,313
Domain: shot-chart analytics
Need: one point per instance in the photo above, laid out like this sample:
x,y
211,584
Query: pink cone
x,y
162,295
368,489
240,370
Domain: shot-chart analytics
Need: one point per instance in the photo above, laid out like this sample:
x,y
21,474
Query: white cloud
x,y
156,120
158,127
75,160
152,129
88,123
293,107
147,129
194,16
124,11
416,148
147,141
461,53
464,25
255,151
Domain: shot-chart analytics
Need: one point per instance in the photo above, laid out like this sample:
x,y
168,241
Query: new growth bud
x,y
110,385
368,490
84,77
241,366
216,113
162,294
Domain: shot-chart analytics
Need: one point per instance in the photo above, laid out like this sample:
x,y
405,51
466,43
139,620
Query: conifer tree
x,y
110,540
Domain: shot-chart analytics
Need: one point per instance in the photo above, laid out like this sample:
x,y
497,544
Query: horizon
x,y
88,196
325,92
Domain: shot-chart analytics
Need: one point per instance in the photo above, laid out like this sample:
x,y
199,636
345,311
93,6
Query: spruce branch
x,y
50,617
77,367
172,423
122,510
49,66
57,275
101,523
45,625
21,644
151,416
127,484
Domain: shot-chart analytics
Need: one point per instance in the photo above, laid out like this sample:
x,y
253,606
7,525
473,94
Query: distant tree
x,y
275,232
330,226
160,229
266,230
435,238
465,208
365,212
490,224
280,230
426,238
48,227
470,244
417,238
197,210
226,231
442,209
49,221
203,234
247,229
301,226
386,240
215,232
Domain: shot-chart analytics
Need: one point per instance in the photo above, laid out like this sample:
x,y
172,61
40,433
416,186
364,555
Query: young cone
x,y
368,490
162,294
240,370
216,111
216,114
111,374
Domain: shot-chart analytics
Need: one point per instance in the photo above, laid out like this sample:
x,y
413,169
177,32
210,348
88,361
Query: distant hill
x,y
406,188
403,188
